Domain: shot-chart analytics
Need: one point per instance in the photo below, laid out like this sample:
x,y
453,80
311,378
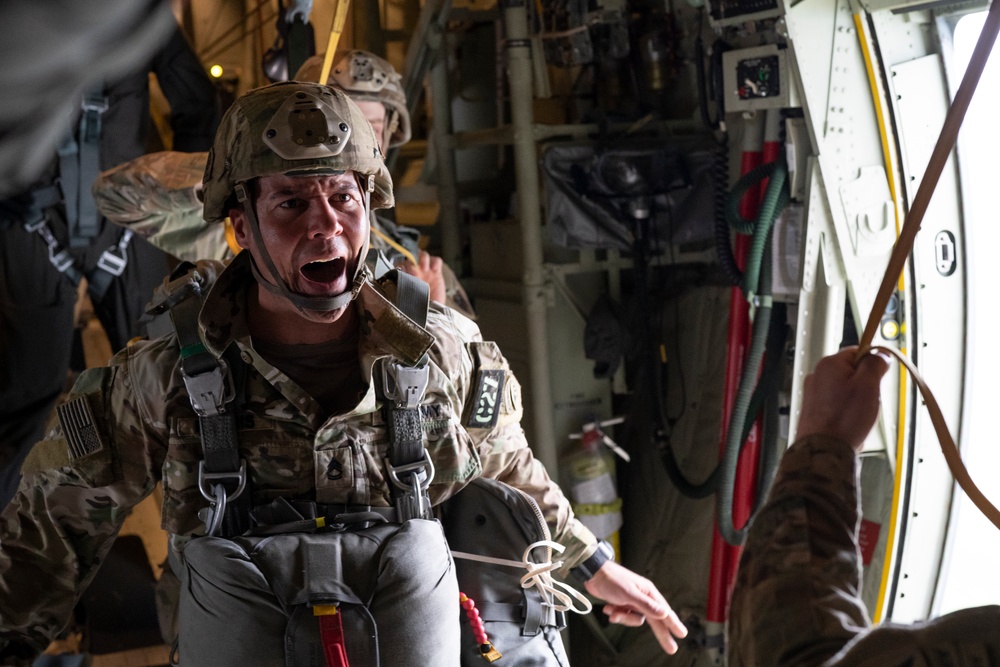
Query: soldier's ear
x,y
241,228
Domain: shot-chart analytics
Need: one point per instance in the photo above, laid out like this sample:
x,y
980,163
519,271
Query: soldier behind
x,y
303,328
796,598
51,237
157,195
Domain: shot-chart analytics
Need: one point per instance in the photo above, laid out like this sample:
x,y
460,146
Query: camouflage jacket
x,y
156,196
129,426
796,599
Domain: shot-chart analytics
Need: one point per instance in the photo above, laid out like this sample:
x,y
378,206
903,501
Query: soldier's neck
x,y
275,319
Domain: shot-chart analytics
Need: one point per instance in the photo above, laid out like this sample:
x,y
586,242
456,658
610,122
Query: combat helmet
x,y
297,129
365,76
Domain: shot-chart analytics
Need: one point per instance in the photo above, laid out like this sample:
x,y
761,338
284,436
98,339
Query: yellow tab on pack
x,y
324,609
489,652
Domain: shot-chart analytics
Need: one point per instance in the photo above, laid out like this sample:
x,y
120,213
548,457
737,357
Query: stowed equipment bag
x,y
378,595
490,526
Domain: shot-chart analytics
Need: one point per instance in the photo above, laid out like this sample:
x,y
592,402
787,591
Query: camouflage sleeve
x,y
495,426
520,469
796,597
78,486
457,298
156,196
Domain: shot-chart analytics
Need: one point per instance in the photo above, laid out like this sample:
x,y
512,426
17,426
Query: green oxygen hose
x,y
756,277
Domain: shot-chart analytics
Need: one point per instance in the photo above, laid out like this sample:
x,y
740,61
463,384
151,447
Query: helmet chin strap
x,y
391,123
276,285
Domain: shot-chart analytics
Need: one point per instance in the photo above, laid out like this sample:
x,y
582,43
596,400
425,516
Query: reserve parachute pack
x,y
302,584
492,529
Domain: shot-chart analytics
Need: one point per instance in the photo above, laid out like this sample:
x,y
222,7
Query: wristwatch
x,y
585,571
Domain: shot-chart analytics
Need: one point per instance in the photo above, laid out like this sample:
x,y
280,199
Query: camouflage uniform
x,y
130,426
796,598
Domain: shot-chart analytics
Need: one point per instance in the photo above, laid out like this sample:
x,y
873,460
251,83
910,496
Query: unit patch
x,y
486,399
78,427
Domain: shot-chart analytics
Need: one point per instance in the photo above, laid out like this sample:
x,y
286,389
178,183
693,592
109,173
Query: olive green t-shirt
x,y
329,372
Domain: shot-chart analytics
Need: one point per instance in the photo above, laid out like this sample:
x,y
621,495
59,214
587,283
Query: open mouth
x,y
324,270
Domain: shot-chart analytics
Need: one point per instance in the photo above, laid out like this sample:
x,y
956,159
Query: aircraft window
x,y
970,575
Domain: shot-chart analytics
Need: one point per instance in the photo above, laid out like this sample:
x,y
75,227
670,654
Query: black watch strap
x,y
585,571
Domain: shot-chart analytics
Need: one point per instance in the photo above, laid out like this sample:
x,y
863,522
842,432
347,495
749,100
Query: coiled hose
x,y
756,285
720,207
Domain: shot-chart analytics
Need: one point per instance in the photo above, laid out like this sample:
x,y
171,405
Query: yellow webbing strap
x,y
395,246
339,18
904,244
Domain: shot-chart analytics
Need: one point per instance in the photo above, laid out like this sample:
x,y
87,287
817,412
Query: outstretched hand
x,y
633,600
841,399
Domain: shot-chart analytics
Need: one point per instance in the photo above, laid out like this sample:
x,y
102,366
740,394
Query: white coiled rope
x,y
557,594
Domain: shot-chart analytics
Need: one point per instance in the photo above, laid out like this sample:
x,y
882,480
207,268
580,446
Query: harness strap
x,y
110,265
402,389
79,166
38,223
412,293
532,615
307,515
378,263
222,475
408,464
412,296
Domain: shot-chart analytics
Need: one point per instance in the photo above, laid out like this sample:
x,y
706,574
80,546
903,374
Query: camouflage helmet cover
x,y
292,128
365,76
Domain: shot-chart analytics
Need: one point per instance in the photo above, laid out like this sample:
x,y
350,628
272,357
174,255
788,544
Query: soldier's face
x,y
376,115
313,228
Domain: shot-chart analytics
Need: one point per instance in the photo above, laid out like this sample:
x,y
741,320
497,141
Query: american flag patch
x,y
78,427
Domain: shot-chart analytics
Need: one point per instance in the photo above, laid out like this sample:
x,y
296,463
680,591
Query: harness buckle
x,y
112,263
212,489
210,391
98,104
62,260
114,259
413,479
36,223
405,385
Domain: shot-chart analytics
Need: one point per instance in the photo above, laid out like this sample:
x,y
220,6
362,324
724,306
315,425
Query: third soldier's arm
x,y
156,196
77,488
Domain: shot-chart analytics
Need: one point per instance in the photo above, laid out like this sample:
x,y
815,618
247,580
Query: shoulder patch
x,y
79,429
486,400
